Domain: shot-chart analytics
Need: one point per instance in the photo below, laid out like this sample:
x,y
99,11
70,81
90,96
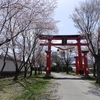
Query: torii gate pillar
x,y
80,69
48,62
85,62
77,65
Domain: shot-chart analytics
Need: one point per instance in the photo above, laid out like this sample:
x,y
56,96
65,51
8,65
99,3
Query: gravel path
x,y
69,87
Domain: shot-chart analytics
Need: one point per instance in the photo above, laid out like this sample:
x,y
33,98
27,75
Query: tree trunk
x,y
39,70
57,68
98,70
94,70
16,74
35,70
25,72
31,71
98,75
67,68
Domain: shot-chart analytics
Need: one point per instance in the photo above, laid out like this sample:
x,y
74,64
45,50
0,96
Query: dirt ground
x,y
51,92
11,91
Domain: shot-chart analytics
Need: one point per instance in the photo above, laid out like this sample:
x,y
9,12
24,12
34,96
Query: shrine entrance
x,y
80,69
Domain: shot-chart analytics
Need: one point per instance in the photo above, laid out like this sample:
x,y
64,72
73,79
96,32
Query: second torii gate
x,y
64,39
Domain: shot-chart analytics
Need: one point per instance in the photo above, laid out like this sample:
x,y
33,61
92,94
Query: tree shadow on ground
x,y
88,78
66,78
60,78
81,77
94,90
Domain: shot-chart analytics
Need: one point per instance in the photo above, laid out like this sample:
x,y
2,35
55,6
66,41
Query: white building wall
x,y
9,65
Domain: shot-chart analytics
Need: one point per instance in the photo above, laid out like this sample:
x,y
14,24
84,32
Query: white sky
x,y
62,13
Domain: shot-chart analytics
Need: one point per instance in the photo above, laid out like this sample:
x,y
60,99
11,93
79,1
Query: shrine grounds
x,y
39,88
30,88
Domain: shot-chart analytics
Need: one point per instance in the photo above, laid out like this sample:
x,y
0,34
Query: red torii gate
x,y
64,38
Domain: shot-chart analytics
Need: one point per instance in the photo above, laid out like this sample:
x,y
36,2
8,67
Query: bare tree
x,y
19,11
56,58
10,14
66,54
86,19
21,23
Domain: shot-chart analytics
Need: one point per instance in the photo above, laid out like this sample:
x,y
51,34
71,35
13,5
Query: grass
x,y
30,88
72,73
96,84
